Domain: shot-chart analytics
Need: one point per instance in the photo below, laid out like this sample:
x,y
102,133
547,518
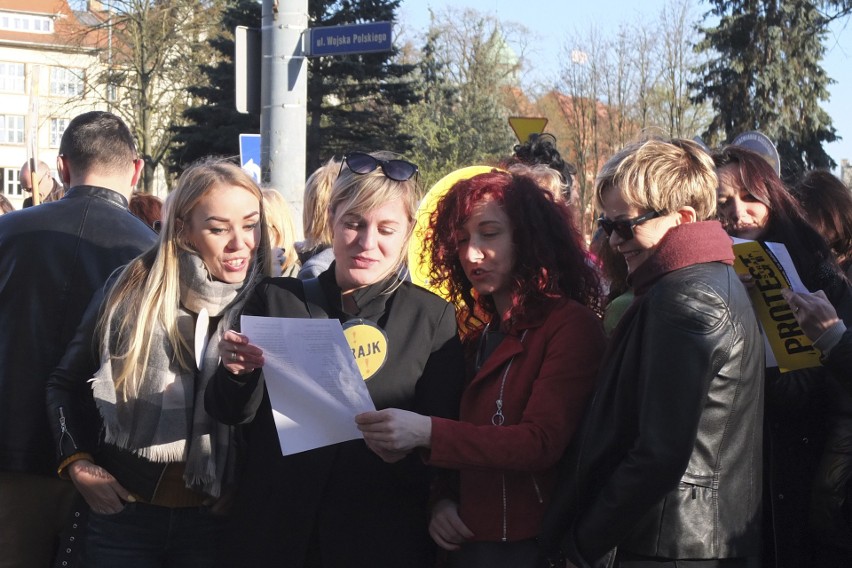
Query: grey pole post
x,y
284,94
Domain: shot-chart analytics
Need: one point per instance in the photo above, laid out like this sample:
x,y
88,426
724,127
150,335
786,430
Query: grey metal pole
x,y
284,94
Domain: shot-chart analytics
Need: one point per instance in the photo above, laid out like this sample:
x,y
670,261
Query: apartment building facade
x,y
47,57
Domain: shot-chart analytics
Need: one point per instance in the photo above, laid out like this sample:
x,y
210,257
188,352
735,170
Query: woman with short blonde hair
x,y
662,176
299,510
671,442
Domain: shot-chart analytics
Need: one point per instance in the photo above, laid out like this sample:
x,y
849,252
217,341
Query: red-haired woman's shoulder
x,y
565,312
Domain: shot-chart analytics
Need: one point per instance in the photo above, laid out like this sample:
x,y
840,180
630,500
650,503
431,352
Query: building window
x,y
44,25
11,129
11,187
11,77
66,82
57,127
26,23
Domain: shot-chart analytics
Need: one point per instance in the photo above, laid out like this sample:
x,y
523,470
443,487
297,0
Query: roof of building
x,y
68,30
35,6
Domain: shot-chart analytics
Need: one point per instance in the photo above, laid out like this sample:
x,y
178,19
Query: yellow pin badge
x,y
369,344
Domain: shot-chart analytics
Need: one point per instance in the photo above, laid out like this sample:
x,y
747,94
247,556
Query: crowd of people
x,y
512,427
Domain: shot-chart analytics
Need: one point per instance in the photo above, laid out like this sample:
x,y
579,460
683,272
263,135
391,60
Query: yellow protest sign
x,y
524,126
791,348
369,345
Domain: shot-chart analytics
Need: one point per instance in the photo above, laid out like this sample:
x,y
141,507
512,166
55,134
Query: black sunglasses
x,y
624,227
361,163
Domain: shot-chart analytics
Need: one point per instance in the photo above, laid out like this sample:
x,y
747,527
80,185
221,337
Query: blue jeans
x,y
148,536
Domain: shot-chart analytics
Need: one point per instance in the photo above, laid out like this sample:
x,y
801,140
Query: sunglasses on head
x,y
362,163
624,227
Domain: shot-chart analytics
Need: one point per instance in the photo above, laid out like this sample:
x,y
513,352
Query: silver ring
x,y
233,355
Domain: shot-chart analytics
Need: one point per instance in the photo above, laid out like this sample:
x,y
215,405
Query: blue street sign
x,y
349,39
250,155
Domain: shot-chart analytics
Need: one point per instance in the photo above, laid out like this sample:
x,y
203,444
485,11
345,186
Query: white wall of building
x,y
58,74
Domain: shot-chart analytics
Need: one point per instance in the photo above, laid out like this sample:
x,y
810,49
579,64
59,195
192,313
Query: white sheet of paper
x,y
312,379
783,256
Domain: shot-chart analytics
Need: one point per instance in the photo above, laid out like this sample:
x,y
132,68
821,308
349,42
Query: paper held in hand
x,y
772,269
314,385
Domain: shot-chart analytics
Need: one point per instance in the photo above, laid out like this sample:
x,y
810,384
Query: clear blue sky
x,y
552,21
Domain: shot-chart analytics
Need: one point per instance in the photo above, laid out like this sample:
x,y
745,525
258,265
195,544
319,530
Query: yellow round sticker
x,y
419,267
369,344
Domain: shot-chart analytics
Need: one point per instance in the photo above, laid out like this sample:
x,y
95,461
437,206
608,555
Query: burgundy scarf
x,y
682,246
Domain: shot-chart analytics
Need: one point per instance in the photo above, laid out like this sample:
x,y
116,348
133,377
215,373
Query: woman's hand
x,y
814,312
239,356
387,456
99,488
446,527
395,430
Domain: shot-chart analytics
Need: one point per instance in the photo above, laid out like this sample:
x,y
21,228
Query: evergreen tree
x,y
764,73
214,125
433,121
356,102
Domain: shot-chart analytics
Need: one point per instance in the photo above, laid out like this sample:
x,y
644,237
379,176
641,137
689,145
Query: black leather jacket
x,y
669,460
808,450
832,510
52,259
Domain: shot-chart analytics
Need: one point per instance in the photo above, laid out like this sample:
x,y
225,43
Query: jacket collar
x,y
98,192
508,348
682,246
370,299
512,344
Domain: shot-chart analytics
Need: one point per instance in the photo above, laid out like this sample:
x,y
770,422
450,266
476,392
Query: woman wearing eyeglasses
x,y
667,467
511,257
341,505
806,521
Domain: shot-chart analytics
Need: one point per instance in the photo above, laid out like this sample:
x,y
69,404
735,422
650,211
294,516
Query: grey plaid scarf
x,y
166,421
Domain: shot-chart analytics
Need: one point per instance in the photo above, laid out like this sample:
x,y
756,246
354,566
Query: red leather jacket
x,y
508,472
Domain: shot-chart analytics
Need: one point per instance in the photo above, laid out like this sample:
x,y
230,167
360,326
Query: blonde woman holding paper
x,y
151,464
341,506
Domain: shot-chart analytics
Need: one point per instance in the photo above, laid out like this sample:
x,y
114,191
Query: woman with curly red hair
x,y
510,257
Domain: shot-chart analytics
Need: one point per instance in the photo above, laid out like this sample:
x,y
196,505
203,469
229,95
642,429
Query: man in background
x,y
48,188
52,260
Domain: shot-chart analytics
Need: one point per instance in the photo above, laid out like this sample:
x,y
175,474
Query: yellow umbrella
x,y
419,267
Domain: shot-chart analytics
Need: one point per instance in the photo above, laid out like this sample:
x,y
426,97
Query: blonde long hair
x,y
315,205
279,222
147,291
